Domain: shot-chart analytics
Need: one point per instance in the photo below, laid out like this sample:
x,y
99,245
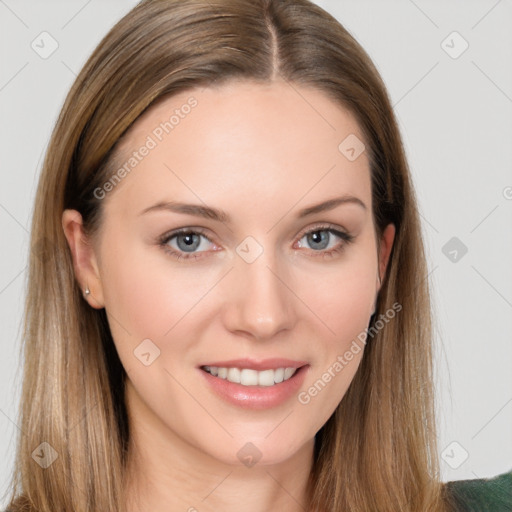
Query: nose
x,y
259,301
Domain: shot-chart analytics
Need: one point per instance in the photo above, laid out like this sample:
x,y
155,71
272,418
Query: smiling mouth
x,y
250,377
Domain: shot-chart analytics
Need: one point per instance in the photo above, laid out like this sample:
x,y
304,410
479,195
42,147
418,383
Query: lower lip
x,y
256,397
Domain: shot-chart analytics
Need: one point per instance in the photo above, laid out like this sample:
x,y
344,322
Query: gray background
x,y
455,117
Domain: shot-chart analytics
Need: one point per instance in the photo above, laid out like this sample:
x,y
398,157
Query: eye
x,y
187,241
321,237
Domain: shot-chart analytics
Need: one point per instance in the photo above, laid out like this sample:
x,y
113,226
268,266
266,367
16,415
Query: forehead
x,y
246,140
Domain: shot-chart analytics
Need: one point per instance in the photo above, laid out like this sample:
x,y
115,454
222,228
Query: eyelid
x,y
322,226
180,231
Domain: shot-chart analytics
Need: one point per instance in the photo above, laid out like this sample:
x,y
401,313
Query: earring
x,y
86,292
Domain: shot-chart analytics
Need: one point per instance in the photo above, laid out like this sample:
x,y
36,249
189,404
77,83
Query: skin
x,y
261,153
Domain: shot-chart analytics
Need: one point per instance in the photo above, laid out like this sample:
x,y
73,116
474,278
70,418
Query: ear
x,y
85,262
386,244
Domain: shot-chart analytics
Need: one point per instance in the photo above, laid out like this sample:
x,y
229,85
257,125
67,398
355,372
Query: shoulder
x,y
482,494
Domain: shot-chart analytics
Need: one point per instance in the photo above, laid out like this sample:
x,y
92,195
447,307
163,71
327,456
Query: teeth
x,y
248,377
279,375
233,374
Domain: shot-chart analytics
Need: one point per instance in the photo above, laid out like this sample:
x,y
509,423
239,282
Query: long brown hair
x,y
377,452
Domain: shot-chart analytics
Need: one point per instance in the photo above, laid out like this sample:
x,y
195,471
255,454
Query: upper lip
x,y
259,365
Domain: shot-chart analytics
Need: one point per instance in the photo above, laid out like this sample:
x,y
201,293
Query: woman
x,y
227,302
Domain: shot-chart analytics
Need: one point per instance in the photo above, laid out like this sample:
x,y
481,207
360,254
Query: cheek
x,y
147,297
143,294
342,299
345,302
342,296
342,302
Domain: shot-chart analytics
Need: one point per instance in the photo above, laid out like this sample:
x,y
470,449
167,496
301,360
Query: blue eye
x,y
189,240
319,239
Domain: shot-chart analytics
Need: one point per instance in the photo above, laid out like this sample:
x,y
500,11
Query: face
x,y
257,274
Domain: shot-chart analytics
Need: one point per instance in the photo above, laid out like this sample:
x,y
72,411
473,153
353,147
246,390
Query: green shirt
x,y
482,494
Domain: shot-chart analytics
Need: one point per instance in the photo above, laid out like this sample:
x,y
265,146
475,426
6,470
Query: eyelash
x,y
164,239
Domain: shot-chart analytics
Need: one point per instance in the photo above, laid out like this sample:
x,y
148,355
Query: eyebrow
x,y
221,216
